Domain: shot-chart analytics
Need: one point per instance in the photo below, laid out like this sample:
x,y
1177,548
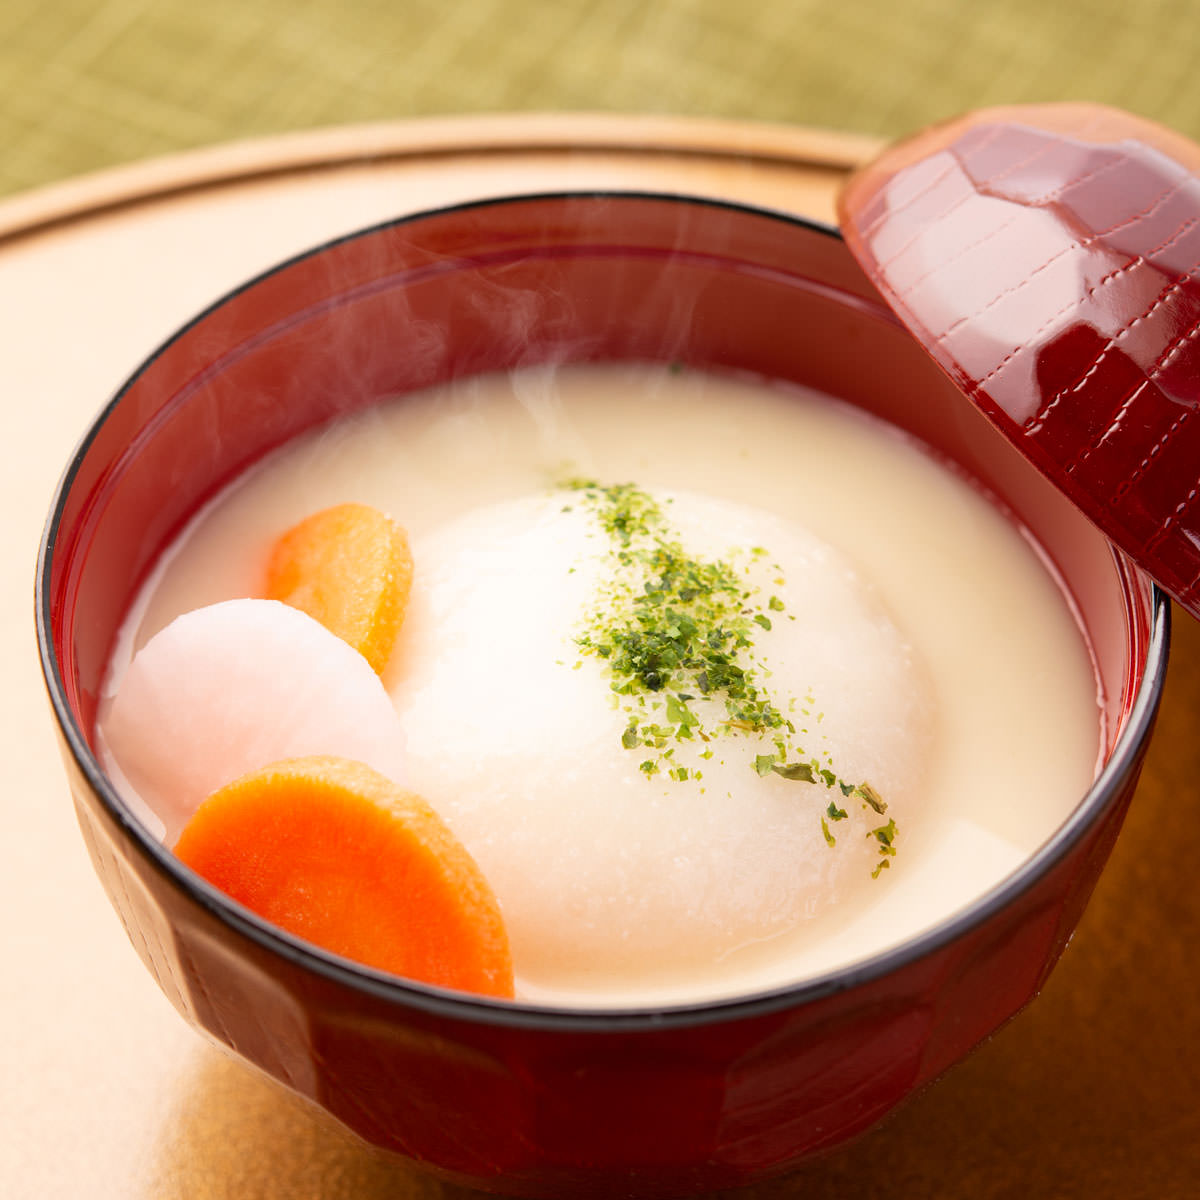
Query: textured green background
x,y
86,84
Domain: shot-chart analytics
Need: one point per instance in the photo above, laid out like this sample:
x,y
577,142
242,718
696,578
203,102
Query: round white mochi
x,y
231,687
515,737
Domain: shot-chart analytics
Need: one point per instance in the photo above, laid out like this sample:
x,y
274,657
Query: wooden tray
x,y
1092,1092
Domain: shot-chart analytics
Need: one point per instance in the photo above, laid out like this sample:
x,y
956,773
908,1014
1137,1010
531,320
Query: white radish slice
x,y
231,687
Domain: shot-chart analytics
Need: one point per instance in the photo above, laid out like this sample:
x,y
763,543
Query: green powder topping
x,y
679,636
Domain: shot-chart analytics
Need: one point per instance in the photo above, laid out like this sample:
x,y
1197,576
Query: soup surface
x,y
912,636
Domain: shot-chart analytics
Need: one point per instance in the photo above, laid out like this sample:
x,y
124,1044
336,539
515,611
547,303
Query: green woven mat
x,y
86,84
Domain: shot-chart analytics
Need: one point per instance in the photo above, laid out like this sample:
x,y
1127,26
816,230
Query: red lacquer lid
x,y
1048,258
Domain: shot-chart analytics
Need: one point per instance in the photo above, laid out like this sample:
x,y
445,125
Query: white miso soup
x,y
737,821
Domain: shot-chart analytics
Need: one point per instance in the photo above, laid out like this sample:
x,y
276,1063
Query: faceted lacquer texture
x,y
1048,257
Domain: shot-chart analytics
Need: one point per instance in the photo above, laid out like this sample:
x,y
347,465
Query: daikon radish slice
x,y
228,688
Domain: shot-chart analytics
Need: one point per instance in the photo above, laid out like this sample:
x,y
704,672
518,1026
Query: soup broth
x,y
916,638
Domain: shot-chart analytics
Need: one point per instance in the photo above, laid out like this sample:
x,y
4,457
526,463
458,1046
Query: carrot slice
x,y
339,855
349,567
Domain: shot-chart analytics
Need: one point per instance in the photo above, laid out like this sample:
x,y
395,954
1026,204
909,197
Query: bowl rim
x,y
459,1006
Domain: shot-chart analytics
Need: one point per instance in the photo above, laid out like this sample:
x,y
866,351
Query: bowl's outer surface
x,y
506,1098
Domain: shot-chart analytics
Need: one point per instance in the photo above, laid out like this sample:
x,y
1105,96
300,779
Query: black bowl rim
x,y
472,1009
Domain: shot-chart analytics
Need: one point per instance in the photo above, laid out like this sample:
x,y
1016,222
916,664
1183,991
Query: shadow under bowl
x,y
515,1098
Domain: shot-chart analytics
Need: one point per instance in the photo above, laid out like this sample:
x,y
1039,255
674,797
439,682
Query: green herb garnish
x,y
677,634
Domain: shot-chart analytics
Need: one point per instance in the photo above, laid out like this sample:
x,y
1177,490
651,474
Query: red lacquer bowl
x,y
521,1099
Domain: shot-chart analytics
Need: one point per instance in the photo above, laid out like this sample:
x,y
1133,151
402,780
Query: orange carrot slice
x,y
337,854
349,567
